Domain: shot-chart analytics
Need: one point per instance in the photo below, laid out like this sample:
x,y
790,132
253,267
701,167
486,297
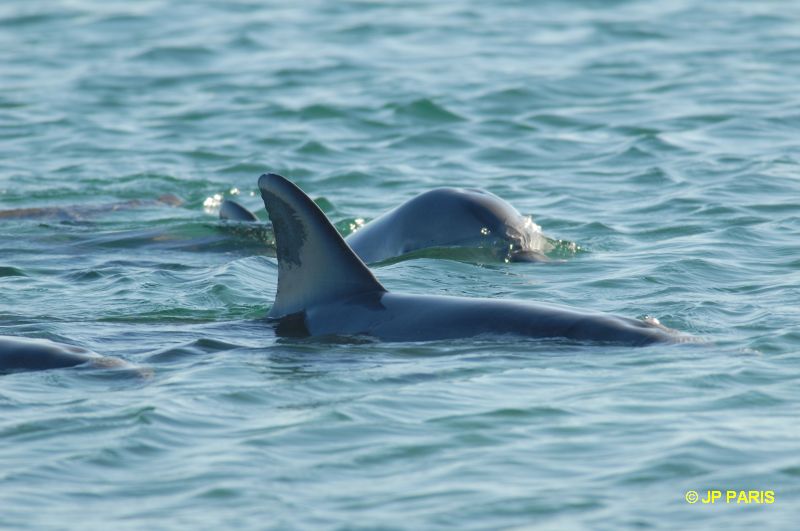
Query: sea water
x,y
662,139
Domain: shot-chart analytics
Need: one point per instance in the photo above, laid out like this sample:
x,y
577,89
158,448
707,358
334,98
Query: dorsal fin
x,y
231,210
315,265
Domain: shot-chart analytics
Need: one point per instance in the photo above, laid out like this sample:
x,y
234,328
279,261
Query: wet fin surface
x,y
315,264
233,211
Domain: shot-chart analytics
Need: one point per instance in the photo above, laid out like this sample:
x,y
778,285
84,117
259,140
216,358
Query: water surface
x,y
660,137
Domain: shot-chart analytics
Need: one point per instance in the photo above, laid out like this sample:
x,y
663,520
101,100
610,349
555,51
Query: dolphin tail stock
x,y
315,264
233,211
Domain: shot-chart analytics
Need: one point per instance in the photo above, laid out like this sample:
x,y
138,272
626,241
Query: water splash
x,y
212,203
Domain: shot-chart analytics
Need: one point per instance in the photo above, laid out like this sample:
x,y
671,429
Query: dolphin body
x,y
83,212
27,354
451,217
443,217
324,288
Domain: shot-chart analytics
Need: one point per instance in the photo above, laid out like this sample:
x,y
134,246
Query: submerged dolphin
x,y
27,354
444,217
82,212
230,209
324,288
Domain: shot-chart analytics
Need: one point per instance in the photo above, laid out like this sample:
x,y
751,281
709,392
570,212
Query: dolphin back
x,y
315,265
31,354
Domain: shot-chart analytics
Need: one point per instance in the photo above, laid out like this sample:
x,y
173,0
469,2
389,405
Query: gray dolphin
x,y
451,217
324,288
443,217
82,212
231,210
27,354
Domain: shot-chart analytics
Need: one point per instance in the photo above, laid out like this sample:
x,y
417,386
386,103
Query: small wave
x,y
10,271
426,110
178,54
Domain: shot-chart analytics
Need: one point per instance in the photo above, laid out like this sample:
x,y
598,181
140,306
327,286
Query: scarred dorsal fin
x,y
315,265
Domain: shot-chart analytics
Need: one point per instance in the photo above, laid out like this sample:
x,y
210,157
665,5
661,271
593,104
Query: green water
x,y
660,137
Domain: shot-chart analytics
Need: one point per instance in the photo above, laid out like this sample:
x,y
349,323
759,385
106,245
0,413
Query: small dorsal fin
x,y
315,265
231,210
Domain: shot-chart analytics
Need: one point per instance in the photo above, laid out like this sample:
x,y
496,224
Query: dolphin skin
x,y
83,212
443,217
450,217
27,354
233,211
324,288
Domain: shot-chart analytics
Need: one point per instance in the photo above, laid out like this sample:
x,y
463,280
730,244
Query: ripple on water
x,y
659,137
425,110
10,271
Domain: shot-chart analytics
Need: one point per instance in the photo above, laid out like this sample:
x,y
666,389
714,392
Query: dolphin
x,y
28,354
451,217
82,212
324,288
443,217
231,210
